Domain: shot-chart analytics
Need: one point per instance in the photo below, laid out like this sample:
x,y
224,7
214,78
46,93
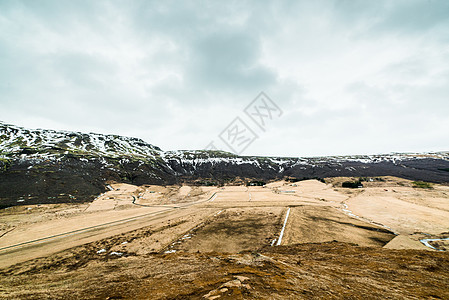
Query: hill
x,y
48,166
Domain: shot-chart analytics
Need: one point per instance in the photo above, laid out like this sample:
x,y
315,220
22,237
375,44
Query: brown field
x,y
310,224
168,242
232,231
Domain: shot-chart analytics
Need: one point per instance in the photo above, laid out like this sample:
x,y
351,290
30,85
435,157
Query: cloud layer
x,y
350,76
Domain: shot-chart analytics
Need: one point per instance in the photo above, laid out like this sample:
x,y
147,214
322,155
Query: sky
x,y
341,77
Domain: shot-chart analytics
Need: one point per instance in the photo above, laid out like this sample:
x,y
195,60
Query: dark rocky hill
x,y
47,166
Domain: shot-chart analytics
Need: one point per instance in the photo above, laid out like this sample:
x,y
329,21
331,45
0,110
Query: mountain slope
x,y
19,140
47,166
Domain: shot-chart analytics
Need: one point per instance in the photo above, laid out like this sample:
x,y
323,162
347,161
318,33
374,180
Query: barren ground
x,y
167,242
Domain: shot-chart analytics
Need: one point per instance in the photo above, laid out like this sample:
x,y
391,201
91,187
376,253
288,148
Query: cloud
x,y
228,61
176,73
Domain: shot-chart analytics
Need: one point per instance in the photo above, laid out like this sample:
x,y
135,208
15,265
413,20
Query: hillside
x,y
308,271
48,166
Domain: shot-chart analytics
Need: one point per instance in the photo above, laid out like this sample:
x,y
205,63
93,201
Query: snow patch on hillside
x,y
14,139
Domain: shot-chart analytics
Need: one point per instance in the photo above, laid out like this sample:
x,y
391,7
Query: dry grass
x,y
328,270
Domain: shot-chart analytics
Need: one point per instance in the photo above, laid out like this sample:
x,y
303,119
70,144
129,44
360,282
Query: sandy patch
x,y
402,216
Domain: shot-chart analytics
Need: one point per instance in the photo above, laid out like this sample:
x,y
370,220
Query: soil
x,y
233,230
311,224
182,242
308,271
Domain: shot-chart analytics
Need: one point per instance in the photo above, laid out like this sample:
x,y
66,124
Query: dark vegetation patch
x,y
365,179
422,185
255,183
352,184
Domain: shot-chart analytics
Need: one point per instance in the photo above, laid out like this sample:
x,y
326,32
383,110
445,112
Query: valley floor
x,y
220,242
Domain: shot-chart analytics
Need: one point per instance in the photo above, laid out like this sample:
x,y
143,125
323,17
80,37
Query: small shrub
x,y
352,184
422,185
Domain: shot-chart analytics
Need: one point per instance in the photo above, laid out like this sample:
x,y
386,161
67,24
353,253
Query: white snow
x,y
187,236
348,212
426,243
92,142
14,138
283,228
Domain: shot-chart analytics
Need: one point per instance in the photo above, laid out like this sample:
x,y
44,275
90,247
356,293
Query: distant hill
x,y
47,166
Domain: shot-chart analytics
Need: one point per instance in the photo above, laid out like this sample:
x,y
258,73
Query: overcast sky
x,y
351,77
